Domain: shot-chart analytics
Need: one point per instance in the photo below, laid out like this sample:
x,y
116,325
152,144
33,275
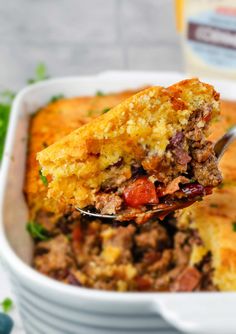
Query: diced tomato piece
x,y
77,234
208,190
151,257
206,118
140,192
143,283
188,280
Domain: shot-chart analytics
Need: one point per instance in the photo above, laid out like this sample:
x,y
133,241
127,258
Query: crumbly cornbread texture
x,y
51,123
136,130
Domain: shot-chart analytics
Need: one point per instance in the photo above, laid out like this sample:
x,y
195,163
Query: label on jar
x,y
210,37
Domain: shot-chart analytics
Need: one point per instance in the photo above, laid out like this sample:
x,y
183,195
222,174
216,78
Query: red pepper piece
x,y
77,234
140,192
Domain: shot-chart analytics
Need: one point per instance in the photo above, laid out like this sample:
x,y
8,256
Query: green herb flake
x,y
99,93
7,305
37,231
7,96
6,99
234,226
41,71
43,178
91,112
56,98
214,205
192,181
215,120
105,110
40,74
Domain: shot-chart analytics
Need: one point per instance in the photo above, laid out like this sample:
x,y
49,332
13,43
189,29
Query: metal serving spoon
x,y
220,147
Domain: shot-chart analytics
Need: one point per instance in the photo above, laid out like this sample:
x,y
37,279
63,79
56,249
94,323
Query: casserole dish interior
x,y
16,245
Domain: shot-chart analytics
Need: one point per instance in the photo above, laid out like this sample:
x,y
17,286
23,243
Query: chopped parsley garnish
x,y
37,231
234,226
214,205
43,178
7,96
99,93
215,120
6,99
56,98
105,110
40,74
192,181
7,305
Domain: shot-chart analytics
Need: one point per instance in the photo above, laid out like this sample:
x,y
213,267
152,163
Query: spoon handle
x,y
222,144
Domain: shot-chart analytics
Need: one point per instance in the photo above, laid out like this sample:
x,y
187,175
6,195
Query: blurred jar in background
x,y
208,29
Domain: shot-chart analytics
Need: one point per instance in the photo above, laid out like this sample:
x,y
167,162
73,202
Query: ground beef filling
x,y
187,172
94,254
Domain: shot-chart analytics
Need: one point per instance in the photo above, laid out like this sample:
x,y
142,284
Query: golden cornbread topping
x,y
53,122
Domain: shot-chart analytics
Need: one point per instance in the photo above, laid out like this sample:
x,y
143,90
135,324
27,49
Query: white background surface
x,y
76,37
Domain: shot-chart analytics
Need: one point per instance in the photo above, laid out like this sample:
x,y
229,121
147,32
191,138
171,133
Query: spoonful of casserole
x,y
194,190
147,156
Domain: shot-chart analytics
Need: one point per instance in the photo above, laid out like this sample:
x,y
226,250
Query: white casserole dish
x,y
50,307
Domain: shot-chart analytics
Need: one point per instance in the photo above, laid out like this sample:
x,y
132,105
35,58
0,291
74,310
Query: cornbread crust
x,y
215,217
140,127
51,123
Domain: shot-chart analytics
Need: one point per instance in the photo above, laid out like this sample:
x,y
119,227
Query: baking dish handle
x,y
200,313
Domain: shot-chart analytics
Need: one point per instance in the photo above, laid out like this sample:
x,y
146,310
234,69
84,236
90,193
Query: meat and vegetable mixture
x,y
151,257
159,255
